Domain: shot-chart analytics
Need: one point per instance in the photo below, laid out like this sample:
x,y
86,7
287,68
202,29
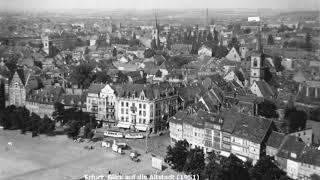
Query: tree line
x,y
13,118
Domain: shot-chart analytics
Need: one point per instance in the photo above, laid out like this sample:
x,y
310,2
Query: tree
x,y
231,168
209,37
176,156
294,119
308,43
247,31
215,37
194,48
83,75
58,113
114,52
102,77
34,127
234,43
267,109
195,162
277,63
73,129
86,51
88,131
266,169
270,39
148,53
210,170
121,78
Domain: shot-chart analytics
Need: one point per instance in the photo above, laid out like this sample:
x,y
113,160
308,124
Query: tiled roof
x,y
275,139
190,92
151,91
178,117
230,121
265,89
252,128
48,95
291,145
73,100
310,156
95,88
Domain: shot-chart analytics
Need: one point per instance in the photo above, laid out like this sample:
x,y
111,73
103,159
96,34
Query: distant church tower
x,y
155,32
46,44
257,70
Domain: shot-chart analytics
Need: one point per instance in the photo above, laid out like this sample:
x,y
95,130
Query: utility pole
x,y
147,139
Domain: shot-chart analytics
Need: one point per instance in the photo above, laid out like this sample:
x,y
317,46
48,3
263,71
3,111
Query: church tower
x,y
155,32
46,44
257,70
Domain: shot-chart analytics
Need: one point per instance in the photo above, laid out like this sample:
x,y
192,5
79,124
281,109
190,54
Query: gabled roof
x,y
291,145
230,120
178,117
310,156
275,139
265,89
151,91
95,88
252,128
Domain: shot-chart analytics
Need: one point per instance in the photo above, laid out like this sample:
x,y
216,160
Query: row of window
x,y
133,104
141,113
140,120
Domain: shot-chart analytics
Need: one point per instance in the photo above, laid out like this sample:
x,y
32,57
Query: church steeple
x,y
259,47
156,31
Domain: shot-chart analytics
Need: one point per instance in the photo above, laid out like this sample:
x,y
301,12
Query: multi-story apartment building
x,y
226,133
213,134
309,164
145,107
93,99
229,123
102,103
175,126
107,105
191,127
288,154
249,136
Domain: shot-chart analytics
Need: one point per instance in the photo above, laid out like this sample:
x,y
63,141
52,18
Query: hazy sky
x,y
159,4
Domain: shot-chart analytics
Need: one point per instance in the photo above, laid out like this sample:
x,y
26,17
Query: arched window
x,y
255,62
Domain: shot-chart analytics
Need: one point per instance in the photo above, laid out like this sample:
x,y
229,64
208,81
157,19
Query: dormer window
x,y
142,95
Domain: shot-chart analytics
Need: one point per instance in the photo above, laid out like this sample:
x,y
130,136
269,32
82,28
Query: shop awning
x,y
141,127
225,153
121,125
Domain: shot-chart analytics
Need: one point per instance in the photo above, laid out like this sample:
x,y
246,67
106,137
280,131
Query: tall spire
x,y
259,40
157,29
207,16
